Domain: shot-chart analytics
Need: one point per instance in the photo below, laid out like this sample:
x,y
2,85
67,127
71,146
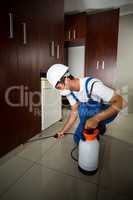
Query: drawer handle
x,y
103,66
24,33
11,35
58,51
69,35
74,34
52,49
97,67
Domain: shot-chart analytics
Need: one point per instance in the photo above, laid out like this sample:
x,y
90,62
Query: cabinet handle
x,y
24,33
74,34
58,51
103,66
97,67
11,35
69,35
52,48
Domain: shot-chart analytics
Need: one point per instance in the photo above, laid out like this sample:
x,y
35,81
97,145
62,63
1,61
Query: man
x,y
91,100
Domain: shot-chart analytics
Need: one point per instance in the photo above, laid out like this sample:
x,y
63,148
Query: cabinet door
x,y
68,27
101,46
110,42
75,27
8,80
79,27
36,32
58,30
49,22
28,72
94,46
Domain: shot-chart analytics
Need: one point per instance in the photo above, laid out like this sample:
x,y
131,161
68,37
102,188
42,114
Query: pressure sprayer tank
x,y
89,152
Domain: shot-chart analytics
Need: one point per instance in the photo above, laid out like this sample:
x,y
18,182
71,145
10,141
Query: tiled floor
x,y
44,169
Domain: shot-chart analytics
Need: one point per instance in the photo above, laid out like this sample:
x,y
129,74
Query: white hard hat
x,y
55,73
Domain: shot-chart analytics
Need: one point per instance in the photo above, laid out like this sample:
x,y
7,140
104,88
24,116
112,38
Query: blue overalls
x,y
87,110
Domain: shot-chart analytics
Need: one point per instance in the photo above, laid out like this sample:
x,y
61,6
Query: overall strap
x,y
88,94
86,88
86,84
74,96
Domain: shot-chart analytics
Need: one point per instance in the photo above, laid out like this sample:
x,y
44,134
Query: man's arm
x,y
116,102
70,120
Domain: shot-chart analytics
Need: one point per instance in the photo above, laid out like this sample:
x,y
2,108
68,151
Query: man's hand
x,y
60,134
91,123
70,121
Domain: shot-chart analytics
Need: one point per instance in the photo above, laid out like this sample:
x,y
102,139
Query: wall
x,y
76,59
125,59
81,5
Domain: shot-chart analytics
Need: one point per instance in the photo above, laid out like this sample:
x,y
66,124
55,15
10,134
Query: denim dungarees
x,y
87,110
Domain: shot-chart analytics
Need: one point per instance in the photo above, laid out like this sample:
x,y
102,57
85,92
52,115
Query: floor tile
x,y
11,154
34,150
59,158
103,195
40,183
11,171
117,173
122,128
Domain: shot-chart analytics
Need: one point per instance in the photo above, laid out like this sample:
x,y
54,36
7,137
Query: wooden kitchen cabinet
x,y
35,24
98,32
8,74
101,46
75,27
